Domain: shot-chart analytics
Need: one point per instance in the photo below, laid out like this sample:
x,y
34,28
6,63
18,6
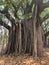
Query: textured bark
x,y
39,41
44,41
35,41
35,33
24,38
11,41
19,38
16,45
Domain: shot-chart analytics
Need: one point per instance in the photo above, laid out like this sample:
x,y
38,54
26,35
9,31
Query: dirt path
x,y
25,59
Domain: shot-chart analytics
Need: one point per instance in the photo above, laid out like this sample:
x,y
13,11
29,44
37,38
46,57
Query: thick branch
x,y
7,14
43,6
5,25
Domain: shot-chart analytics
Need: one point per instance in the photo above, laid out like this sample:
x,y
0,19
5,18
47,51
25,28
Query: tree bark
x,y
39,41
35,33
19,38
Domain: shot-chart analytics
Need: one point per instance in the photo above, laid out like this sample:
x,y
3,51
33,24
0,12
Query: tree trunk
x,y
39,41
19,38
35,33
11,42
35,41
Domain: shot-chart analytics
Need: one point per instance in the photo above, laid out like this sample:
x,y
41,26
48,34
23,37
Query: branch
x,y
4,24
7,14
46,17
43,6
28,7
16,8
26,10
10,2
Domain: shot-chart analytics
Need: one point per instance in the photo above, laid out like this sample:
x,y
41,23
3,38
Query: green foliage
x,y
44,1
21,16
44,13
45,26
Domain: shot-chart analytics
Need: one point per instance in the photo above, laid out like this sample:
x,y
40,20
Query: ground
x,y
25,59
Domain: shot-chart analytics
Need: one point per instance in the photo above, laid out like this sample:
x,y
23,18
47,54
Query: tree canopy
x,y
23,9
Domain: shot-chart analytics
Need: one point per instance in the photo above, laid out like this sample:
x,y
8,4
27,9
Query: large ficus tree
x,y
26,19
